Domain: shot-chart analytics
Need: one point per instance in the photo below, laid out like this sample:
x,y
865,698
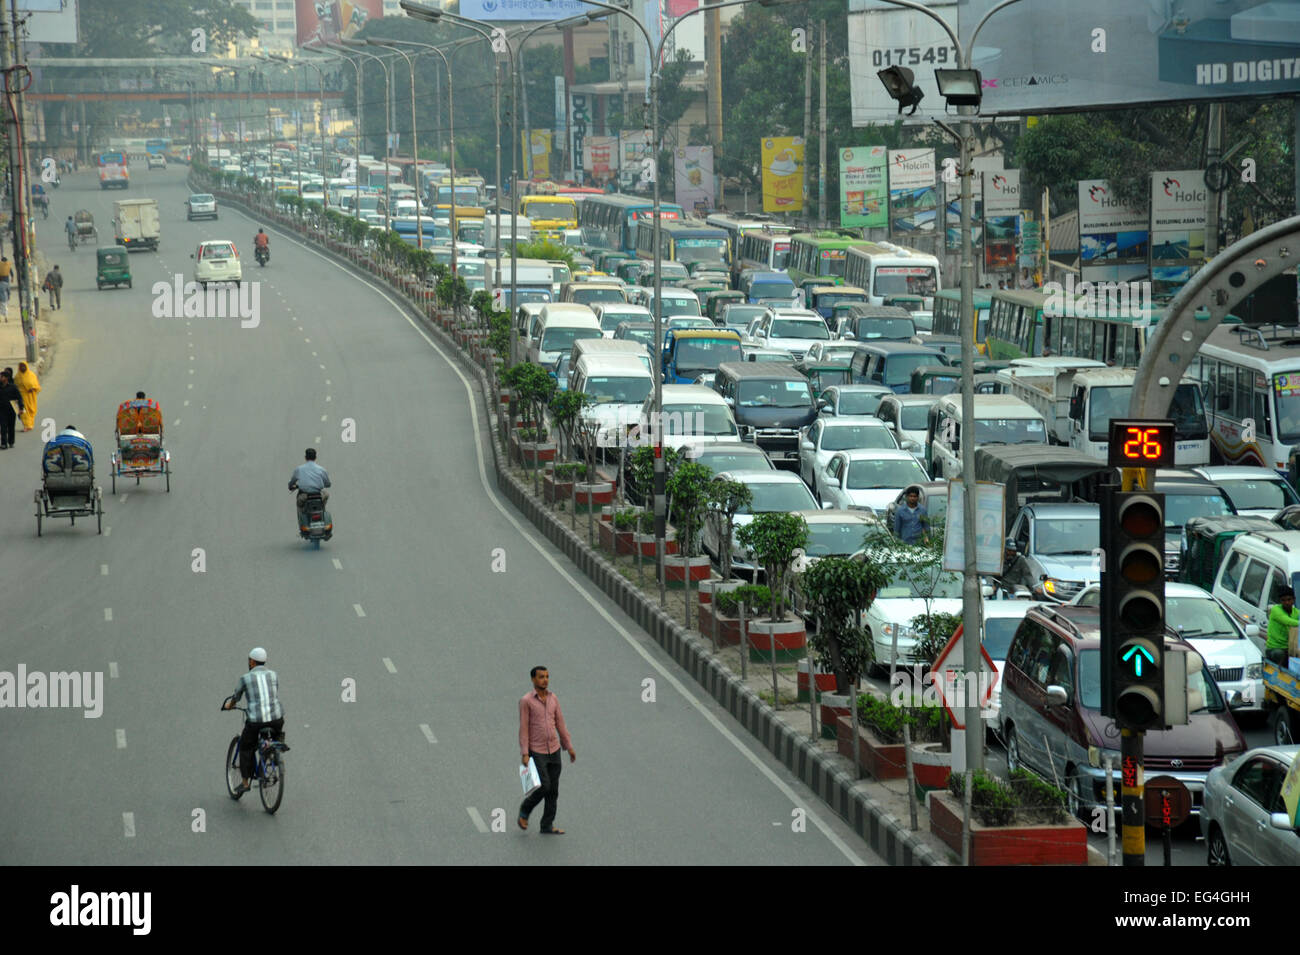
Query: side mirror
x,y
806,445
911,446
1012,545
1252,630
1280,820
986,590
827,506
1056,696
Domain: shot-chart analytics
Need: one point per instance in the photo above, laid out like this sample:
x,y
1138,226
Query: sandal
x,y
552,832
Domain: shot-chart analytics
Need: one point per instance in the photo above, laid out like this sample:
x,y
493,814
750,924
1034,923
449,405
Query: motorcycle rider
x,y
261,243
309,477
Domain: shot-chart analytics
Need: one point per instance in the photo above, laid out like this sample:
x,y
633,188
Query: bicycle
x,y
72,242
268,770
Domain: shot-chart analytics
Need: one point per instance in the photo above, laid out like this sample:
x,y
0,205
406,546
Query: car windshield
x,y
924,583
218,250
471,268
775,394
835,540
829,300
609,321
620,390
558,339
899,368
875,475
1066,536
894,329
681,306
590,295
742,314
200,198
859,402
1181,508
733,459
698,419
793,496
837,353
701,250
1090,684
849,437
915,416
804,328
1199,617
923,321
645,336
782,290
1257,493
701,355
1009,431
998,632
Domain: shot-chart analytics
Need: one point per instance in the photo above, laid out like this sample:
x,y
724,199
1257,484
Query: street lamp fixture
x,y
899,85
960,87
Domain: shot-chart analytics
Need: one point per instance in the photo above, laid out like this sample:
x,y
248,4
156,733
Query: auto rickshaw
x,y
112,267
821,375
714,302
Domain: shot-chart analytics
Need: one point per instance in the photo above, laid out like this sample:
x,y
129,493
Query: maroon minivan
x,y
1060,647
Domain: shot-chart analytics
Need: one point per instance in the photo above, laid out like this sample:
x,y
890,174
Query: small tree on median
x,y
726,500
688,495
773,539
839,591
565,408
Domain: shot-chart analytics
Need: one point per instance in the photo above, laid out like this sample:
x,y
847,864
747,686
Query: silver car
x,y
1244,818
201,205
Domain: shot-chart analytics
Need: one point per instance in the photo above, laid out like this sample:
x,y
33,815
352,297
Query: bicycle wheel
x,y
272,785
234,777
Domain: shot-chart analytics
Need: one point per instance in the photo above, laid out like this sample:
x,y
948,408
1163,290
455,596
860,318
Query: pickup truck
x,y
135,223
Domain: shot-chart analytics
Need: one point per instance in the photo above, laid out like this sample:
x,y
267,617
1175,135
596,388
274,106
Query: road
x,y
401,612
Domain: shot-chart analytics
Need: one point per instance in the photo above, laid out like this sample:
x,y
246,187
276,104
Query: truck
x,y
522,231
1079,398
135,223
532,277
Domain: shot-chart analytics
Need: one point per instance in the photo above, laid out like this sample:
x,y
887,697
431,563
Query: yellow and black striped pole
x,y
1132,785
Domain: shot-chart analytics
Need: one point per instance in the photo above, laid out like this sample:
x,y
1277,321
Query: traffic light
x,y
1133,609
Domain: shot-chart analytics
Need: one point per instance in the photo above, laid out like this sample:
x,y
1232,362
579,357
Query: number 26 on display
x,y
1143,444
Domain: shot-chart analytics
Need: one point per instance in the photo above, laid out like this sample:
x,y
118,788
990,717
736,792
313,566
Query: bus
x,y
767,250
885,269
376,174
1016,325
736,225
690,240
947,315
1252,380
157,147
113,157
821,255
613,218
550,214
1116,337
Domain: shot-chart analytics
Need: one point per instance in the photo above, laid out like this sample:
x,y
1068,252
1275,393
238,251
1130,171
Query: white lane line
x,y
121,499
324,417
107,531
121,738
493,495
176,422
317,441
328,398
328,382
191,358
128,825
338,564
388,665
112,670
314,355
191,371
187,402
479,824
357,608
322,367
428,733
308,341
108,614
103,570
190,385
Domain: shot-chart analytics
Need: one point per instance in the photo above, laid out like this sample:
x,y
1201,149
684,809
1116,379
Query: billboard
x,y
693,178
600,157
50,23
539,149
326,21
1113,237
913,198
1061,54
782,173
1001,219
952,200
1178,223
864,191
517,10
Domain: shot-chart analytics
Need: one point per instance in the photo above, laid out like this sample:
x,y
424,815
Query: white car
x,y
1234,661
155,161
825,436
889,619
830,353
217,260
201,205
795,330
1252,490
1001,619
693,415
908,416
774,491
840,401
833,534
867,479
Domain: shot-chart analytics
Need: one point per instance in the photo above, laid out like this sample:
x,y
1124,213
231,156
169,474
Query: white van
x,y
1256,567
618,386
999,419
559,325
607,348
526,316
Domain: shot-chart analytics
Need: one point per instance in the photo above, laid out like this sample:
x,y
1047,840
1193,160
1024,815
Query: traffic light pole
x,y
1132,795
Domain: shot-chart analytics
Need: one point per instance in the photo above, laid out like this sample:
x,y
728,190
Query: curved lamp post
x,y
388,113
356,68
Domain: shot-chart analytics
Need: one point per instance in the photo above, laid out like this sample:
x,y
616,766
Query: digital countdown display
x,y
1140,443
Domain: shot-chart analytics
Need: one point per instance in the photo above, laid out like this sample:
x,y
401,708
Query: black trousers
x,y
7,422
1279,657
248,744
548,769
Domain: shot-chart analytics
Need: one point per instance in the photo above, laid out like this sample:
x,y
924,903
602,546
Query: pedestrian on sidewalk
x,y
542,734
29,386
54,285
6,270
9,394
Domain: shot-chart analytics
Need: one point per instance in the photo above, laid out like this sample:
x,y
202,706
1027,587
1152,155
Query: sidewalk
x,y
13,348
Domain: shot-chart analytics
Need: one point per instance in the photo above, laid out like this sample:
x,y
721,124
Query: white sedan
x,y
830,353
825,436
867,479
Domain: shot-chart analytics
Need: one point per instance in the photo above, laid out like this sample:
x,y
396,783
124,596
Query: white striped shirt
x,y
263,689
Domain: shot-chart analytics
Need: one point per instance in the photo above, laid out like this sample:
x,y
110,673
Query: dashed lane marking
x,y
479,824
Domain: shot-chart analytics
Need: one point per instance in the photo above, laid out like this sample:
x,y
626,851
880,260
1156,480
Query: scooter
x,y
314,522
262,254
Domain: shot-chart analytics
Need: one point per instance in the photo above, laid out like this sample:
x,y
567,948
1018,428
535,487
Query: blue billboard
x,y
522,10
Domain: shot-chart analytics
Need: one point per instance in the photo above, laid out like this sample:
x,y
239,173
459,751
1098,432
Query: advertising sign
x,y
1178,221
1061,54
1001,219
516,10
693,176
782,173
539,148
600,157
51,22
952,200
864,189
325,21
990,501
579,116
1113,238
632,148
913,198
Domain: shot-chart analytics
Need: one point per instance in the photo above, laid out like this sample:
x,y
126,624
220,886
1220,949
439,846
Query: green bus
x,y
1017,326
821,255
947,315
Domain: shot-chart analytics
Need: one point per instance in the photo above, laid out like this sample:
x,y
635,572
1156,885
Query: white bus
x,y
883,269
767,250
1252,379
738,224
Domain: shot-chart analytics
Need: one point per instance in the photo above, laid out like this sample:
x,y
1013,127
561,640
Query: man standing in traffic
x,y
54,285
911,519
1282,616
9,397
542,734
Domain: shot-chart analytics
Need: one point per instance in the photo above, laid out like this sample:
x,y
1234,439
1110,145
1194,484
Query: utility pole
x,y
713,64
1213,152
18,187
526,144
821,134
807,111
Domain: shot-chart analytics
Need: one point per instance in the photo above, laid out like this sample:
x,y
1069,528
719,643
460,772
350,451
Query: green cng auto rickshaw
x,y
111,267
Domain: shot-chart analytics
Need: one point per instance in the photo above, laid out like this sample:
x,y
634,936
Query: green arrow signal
x,y
1137,664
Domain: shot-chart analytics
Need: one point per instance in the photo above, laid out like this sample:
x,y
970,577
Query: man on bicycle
x,y
264,710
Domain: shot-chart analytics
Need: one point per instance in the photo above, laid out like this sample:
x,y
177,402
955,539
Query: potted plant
x,y
616,534
644,539
881,747
726,608
688,495
533,387
837,592
726,499
773,539
1017,821
593,493
557,482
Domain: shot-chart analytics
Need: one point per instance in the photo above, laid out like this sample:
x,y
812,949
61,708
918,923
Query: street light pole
x,y
415,141
356,140
388,128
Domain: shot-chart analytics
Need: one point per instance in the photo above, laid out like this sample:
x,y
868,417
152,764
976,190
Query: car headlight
x,y
1051,586
903,631
1255,671
1097,757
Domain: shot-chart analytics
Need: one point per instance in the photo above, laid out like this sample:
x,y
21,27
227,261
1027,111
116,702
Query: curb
x,y
887,835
